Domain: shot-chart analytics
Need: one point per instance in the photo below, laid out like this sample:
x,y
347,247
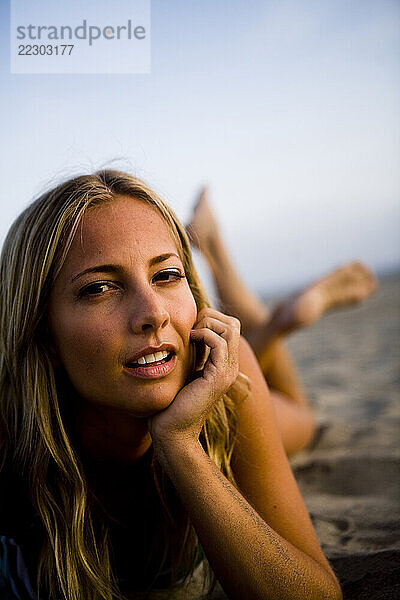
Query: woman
x,y
138,438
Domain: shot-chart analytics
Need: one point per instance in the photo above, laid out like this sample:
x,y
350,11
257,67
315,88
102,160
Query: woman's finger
x,y
223,357
218,356
213,324
229,334
211,338
215,314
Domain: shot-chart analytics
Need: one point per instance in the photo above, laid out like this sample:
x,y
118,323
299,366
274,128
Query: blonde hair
x,y
35,443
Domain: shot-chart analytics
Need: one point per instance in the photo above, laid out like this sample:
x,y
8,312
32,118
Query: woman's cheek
x,y
80,340
190,309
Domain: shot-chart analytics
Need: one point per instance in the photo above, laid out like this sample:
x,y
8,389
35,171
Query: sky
x,y
288,110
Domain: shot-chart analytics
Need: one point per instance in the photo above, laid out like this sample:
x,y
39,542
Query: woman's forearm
x,y
248,557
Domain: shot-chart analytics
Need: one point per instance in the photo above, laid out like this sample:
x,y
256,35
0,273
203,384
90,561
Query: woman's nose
x,y
148,312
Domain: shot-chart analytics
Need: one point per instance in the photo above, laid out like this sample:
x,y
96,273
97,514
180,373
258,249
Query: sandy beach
x,y
350,479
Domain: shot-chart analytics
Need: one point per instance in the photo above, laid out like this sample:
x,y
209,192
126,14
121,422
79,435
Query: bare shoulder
x,y
257,409
248,364
256,422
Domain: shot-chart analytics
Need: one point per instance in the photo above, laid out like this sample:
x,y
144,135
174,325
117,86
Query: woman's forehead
x,y
124,220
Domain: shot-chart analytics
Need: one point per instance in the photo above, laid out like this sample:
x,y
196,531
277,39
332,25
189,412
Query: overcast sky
x,y
288,109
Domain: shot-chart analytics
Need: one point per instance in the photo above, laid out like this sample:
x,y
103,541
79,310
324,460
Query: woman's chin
x,y
149,404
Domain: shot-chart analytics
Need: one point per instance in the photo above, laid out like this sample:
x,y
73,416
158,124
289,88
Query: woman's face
x,y
121,310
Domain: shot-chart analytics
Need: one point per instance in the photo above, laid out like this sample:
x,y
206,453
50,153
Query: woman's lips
x,y
154,370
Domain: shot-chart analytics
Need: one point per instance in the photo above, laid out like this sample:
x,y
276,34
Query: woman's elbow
x,y
334,591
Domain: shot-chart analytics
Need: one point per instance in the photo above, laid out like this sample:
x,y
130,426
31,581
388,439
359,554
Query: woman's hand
x,y
185,416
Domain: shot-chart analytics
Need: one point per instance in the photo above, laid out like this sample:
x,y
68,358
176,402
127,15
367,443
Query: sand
x,y
351,478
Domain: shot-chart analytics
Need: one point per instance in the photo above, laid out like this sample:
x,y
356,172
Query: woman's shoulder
x,y
250,384
248,363
257,433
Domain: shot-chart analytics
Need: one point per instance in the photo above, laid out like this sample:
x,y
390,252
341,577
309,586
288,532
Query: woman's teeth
x,y
151,358
153,366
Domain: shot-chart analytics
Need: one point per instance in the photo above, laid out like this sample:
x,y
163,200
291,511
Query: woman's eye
x,y
95,289
172,275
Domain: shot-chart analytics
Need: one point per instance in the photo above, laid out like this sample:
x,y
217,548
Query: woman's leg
x,y
294,416
235,298
265,332
347,285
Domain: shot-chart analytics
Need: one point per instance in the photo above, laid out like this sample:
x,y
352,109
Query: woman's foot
x,y
347,285
203,229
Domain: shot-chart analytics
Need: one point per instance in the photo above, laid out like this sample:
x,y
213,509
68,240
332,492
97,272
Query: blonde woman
x,y
138,438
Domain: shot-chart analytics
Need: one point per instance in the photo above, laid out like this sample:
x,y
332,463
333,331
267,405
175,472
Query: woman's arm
x,y
264,548
261,468
249,558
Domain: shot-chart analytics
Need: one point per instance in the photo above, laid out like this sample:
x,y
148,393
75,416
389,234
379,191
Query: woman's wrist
x,y
172,451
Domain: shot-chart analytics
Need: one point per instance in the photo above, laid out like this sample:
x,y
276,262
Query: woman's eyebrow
x,y
158,259
117,269
98,269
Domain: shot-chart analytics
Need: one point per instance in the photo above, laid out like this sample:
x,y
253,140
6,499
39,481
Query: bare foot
x,y
203,229
347,285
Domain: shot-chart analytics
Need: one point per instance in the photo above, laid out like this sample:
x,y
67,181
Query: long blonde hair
x,y
34,440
